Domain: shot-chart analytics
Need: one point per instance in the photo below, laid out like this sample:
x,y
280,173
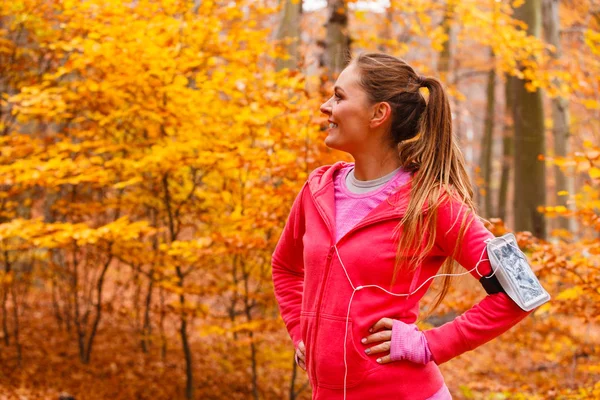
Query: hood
x,y
320,185
323,176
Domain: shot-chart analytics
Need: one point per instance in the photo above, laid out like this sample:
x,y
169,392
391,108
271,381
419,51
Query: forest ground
x,y
503,368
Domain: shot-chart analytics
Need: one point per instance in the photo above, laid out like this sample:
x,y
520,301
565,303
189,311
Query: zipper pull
x,y
330,254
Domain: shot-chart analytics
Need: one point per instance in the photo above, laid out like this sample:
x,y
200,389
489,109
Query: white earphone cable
x,y
356,288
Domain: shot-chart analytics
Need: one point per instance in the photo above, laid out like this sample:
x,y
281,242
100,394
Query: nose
x,y
326,108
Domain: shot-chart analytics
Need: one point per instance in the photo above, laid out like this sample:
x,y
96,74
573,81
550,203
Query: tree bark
x,y
446,53
388,29
5,308
147,327
161,325
248,305
5,291
187,351
487,141
16,335
560,115
98,315
289,27
507,149
337,42
529,142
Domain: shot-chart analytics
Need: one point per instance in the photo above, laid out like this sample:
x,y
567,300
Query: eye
x,y
337,97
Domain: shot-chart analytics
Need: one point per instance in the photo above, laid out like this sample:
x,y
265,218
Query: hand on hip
x,y
397,341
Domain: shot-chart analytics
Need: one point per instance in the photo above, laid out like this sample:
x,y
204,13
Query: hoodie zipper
x,y
360,225
325,276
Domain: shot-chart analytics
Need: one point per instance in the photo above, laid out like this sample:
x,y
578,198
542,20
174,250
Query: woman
x,y
364,239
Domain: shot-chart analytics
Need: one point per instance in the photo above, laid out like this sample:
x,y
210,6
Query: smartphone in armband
x,y
514,273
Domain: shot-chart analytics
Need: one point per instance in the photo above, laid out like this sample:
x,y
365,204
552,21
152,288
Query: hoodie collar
x,y
320,184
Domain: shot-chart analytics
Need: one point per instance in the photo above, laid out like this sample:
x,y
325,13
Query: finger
x,y
301,347
382,323
377,337
384,360
300,362
300,354
380,348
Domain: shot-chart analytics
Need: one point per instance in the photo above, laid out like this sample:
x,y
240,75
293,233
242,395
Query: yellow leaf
x,y
570,294
129,182
543,309
211,330
591,104
594,172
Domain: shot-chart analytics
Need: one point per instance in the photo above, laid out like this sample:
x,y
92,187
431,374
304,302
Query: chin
x,y
333,144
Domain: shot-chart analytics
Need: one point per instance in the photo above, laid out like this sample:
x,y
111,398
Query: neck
x,y
372,166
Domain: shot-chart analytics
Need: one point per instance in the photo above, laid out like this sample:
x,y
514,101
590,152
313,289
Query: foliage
x,y
150,153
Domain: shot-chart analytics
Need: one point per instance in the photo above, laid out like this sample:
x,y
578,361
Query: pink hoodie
x,y
313,293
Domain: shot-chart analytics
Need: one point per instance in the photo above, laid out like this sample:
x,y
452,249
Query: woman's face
x,y
349,110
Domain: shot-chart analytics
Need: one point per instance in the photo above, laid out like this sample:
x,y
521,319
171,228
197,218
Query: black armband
x,y
491,284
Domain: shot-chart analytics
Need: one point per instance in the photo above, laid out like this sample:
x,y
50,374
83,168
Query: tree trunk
x,y
529,142
55,303
487,142
146,341
292,386
294,393
446,53
147,327
388,28
507,149
16,335
289,27
161,325
5,290
248,305
98,314
337,42
560,115
187,351
5,309
77,319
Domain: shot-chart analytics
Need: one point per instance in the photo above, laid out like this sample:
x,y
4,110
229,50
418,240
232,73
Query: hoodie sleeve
x,y
288,269
493,315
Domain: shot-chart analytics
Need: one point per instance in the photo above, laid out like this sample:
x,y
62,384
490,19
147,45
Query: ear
x,y
382,113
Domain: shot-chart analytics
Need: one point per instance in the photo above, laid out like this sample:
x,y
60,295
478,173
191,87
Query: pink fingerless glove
x,y
409,343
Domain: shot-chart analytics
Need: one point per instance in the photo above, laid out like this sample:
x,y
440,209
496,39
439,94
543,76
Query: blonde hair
x,y
422,132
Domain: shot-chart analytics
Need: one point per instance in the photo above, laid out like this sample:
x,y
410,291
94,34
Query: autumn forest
x,y
151,151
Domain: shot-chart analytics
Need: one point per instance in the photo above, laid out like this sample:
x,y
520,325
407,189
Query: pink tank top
x,y
351,208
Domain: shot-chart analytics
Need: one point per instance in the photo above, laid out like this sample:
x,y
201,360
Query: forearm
x,y
491,317
288,269
288,287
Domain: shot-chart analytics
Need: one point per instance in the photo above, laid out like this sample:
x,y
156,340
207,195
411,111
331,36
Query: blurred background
x,y
151,151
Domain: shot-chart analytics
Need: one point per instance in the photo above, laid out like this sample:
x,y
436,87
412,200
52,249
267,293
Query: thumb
x,y
301,347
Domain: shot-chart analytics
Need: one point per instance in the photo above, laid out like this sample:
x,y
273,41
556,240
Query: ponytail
x,y
422,132
440,175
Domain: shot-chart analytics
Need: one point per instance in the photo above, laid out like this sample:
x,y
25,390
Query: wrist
x,y
409,343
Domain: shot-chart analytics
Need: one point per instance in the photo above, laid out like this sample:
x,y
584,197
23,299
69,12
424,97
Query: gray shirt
x,y
360,187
